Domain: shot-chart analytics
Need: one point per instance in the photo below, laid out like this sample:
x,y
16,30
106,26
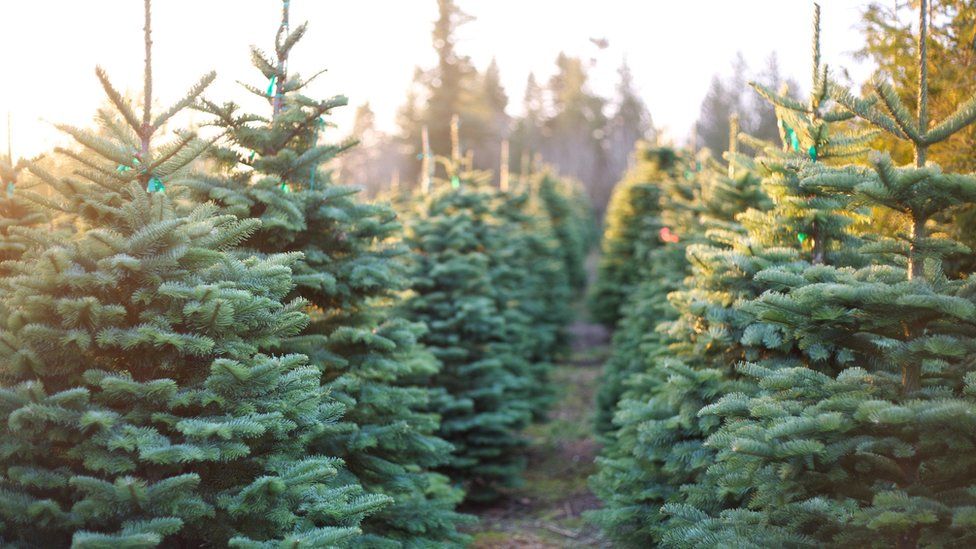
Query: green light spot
x,y
155,185
801,237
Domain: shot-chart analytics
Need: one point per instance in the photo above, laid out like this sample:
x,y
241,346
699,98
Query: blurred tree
x,y
528,129
453,87
575,131
889,41
374,165
731,94
630,123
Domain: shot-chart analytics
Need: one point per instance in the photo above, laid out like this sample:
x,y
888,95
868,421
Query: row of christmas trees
x,y
793,364
208,342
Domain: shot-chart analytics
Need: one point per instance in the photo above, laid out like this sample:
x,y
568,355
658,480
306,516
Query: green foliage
x,y
138,407
632,228
854,431
669,358
571,221
491,283
457,240
14,212
350,275
663,271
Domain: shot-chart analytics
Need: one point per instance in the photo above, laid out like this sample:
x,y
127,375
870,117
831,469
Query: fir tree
x,y
370,360
458,242
138,408
661,271
14,212
657,445
631,226
530,274
865,440
572,223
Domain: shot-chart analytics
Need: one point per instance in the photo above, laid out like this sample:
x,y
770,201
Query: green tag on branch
x,y
271,85
790,136
801,237
812,151
155,185
285,188
455,181
122,168
251,157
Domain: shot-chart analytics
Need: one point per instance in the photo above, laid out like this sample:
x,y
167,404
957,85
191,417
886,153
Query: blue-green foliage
x,y
571,221
14,211
632,229
138,409
350,275
491,283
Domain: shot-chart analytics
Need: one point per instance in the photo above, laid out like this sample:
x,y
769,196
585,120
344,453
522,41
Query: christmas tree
x,y
657,445
571,221
138,409
271,169
14,212
459,293
631,225
661,272
864,438
530,275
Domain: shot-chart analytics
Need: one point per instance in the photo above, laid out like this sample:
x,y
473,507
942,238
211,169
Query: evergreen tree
x,y
530,274
629,123
631,226
458,242
864,439
138,407
454,87
575,130
661,271
657,446
888,39
350,275
14,212
527,133
730,95
571,221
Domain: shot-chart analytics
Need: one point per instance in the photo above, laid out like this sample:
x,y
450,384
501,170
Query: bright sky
x,y
372,46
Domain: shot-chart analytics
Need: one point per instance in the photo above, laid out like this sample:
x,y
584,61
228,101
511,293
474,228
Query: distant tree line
x,y
563,122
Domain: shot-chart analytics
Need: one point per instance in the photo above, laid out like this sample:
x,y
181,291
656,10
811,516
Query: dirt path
x,y
546,512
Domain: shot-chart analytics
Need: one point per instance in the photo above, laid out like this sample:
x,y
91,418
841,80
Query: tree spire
x,y
923,82
145,132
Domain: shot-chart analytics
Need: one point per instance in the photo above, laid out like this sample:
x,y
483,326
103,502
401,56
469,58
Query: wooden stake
x,y
523,167
733,142
455,139
503,167
427,166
